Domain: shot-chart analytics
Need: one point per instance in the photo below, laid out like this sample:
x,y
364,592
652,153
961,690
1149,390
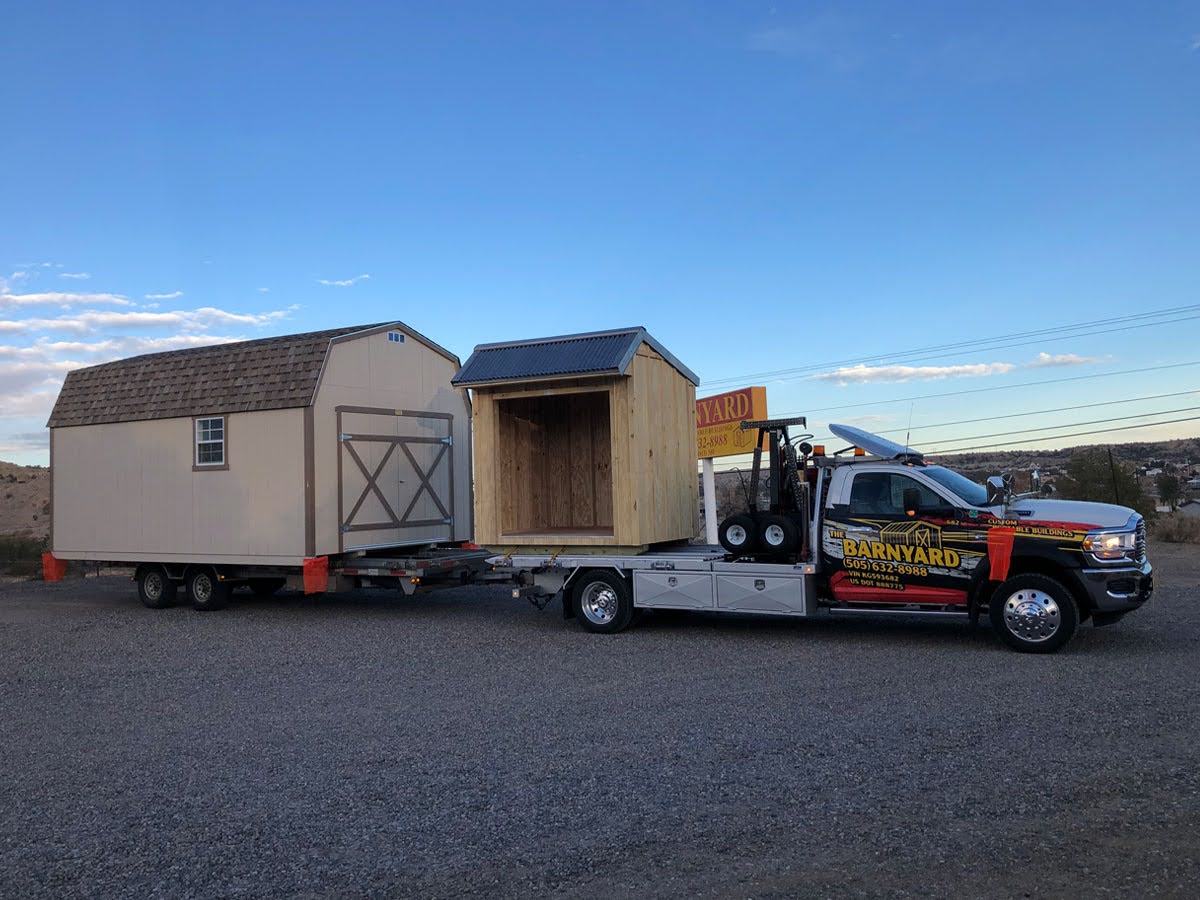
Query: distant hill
x,y
24,499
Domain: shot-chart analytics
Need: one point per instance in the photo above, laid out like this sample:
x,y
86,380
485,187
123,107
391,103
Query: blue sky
x,y
766,187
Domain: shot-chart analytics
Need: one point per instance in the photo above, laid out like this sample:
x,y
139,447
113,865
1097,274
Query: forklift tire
x,y
206,592
778,534
154,588
739,534
602,601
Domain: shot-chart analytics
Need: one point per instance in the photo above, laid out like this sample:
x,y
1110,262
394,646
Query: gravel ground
x,y
461,744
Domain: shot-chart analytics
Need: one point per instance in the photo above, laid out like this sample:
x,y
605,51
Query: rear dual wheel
x,y
602,601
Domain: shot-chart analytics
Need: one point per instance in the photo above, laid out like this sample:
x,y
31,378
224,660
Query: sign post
x,y
718,434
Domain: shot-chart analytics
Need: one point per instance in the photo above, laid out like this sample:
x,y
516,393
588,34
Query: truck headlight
x,y
1110,546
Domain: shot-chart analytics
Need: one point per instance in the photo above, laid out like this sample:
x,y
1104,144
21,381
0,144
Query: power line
x,y
1059,436
1040,412
982,344
999,387
1165,412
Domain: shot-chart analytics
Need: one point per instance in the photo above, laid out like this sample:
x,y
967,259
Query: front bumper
x,y
1118,590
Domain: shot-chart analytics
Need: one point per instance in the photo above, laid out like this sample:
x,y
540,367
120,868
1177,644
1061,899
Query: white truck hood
x,y
1096,515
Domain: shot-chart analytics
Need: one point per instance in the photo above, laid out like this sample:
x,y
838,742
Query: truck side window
x,y
882,494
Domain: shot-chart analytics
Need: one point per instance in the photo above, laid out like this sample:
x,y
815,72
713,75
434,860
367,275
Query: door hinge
x,y
448,440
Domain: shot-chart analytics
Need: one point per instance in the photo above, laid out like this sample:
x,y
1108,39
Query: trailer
x,y
327,458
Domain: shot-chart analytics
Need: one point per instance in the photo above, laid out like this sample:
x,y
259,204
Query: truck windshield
x,y
974,494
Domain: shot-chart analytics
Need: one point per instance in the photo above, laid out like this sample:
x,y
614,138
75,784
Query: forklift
x,y
780,530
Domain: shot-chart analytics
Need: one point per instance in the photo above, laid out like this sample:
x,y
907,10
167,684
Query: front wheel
x,y
603,602
1034,614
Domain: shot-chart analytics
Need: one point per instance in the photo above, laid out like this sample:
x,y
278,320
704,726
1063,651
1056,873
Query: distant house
x,y
1193,484
1190,508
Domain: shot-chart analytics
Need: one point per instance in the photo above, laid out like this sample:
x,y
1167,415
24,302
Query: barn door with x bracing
x,y
395,477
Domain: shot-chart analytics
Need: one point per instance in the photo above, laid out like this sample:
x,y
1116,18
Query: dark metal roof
x,y
592,353
271,373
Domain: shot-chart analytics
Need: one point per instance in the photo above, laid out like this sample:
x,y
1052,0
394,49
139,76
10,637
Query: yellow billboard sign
x,y
718,431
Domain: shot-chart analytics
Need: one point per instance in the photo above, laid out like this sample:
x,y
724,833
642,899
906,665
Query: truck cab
x,y
895,532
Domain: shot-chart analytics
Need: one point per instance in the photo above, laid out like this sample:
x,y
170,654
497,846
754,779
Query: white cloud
x,y
26,441
1196,41
80,276
862,374
91,321
1046,360
170,296
264,290
58,298
344,283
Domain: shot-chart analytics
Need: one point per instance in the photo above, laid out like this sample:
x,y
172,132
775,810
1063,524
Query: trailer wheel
x,y
778,534
206,591
738,534
154,588
1034,614
602,601
266,587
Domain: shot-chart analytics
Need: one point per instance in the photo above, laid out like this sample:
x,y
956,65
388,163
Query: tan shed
x,y
263,452
584,440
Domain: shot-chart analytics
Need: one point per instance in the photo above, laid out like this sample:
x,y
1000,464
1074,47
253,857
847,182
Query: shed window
x,y
396,337
210,441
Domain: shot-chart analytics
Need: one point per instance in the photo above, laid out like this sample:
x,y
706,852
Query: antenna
x,y
908,434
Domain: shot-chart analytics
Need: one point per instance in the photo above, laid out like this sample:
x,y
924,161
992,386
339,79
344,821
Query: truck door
x,y
886,544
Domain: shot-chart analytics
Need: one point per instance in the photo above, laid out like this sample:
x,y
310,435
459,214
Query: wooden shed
x,y
583,440
263,452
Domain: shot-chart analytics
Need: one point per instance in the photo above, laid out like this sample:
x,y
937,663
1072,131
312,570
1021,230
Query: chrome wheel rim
x,y
202,588
774,535
599,603
1032,615
736,535
152,584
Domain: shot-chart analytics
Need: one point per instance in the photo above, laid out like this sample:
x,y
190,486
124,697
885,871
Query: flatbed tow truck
x,y
871,529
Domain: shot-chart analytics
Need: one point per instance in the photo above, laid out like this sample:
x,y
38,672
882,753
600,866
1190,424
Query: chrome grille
x,y
1139,551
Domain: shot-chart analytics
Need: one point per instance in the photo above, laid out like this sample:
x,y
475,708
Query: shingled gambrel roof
x,y
569,355
270,373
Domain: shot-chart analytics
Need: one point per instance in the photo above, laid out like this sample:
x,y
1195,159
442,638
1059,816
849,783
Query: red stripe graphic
x,y
1000,544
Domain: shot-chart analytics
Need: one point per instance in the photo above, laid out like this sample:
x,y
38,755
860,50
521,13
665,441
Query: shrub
x,y
21,554
1177,529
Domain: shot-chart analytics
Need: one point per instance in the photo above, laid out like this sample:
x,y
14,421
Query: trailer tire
x,y
602,601
155,589
778,534
266,587
739,534
1034,614
207,592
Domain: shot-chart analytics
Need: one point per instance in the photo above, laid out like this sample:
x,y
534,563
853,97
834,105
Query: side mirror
x,y
997,490
1048,490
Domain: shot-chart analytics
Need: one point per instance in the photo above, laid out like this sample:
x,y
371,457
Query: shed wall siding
x,y
372,372
127,491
